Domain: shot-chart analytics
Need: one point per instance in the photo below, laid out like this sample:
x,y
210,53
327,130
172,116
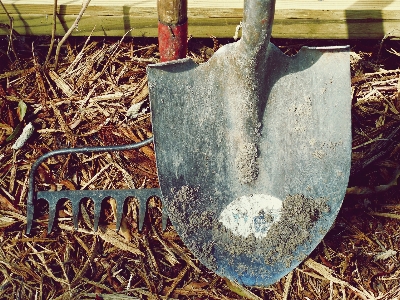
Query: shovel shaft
x,y
172,12
257,26
172,29
172,41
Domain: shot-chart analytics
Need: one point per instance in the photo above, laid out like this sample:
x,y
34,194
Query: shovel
x,y
253,149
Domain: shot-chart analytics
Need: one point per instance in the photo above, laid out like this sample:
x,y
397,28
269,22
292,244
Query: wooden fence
x,y
316,19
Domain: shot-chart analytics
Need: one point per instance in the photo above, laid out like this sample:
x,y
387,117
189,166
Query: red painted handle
x,y
172,29
172,41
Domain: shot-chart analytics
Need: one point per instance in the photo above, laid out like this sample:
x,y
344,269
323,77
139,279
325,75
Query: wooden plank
x,y
326,19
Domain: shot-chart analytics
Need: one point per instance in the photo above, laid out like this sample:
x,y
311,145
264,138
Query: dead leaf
x,y
125,230
68,184
25,135
240,290
385,255
6,128
195,286
5,204
2,92
135,110
6,221
11,91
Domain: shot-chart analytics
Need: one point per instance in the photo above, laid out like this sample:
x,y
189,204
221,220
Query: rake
x,y
97,196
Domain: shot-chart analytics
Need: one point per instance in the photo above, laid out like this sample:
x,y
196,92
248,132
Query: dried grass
x,y
85,102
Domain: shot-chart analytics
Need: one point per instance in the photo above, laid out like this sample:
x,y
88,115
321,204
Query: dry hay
x,y
98,96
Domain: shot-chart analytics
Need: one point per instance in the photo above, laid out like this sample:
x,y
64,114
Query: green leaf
x,y
17,131
22,107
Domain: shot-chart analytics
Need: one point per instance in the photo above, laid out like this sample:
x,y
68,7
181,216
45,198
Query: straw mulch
x,y
98,95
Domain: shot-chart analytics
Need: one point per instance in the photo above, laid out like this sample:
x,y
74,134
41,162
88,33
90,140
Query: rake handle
x,y
172,29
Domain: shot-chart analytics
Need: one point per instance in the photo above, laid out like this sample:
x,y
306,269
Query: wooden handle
x,y
172,29
172,12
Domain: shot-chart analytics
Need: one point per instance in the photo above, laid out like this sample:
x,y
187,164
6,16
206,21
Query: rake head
x,y
97,196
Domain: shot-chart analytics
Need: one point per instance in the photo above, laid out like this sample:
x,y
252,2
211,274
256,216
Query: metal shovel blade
x,y
253,150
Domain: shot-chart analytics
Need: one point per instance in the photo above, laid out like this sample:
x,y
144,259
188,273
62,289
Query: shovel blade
x,y
253,166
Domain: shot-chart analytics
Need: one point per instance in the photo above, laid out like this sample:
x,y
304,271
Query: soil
x,y
242,89
284,236
206,236
246,163
194,228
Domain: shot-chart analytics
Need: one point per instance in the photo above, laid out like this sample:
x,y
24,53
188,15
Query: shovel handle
x,y
258,16
172,29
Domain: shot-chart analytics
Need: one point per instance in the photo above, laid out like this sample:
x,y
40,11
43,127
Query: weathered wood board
x,y
326,19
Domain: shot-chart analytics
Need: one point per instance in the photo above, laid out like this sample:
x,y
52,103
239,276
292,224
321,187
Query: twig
x,y
90,257
240,290
386,36
108,236
176,281
288,284
53,32
10,41
327,275
380,150
42,259
72,66
68,33
13,172
385,215
96,176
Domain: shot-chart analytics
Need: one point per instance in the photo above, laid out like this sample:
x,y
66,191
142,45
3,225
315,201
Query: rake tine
x,y
98,196
97,211
142,212
52,214
164,217
143,196
75,203
120,208
52,201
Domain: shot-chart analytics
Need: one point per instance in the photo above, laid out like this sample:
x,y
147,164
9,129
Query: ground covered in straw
x,y
98,95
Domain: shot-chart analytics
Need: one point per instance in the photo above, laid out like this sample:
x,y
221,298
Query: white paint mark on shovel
x,y
253,214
